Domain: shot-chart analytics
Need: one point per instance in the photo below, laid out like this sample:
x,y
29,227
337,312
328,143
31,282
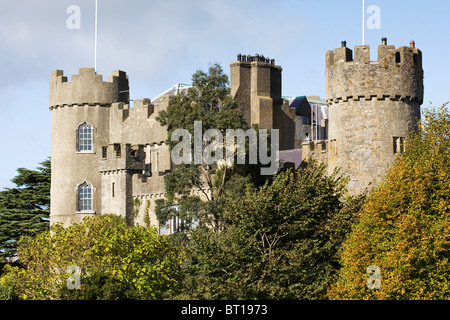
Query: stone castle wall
x,y
116,176
371,103
85,99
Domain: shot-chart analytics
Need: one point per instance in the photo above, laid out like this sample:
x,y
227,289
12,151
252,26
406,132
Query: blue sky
x,y
163,42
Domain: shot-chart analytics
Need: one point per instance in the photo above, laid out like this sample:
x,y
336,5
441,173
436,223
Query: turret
x,y
373,107
80,124
87,87
397,74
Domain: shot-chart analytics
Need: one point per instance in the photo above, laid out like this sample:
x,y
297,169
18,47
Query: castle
x,y
109,157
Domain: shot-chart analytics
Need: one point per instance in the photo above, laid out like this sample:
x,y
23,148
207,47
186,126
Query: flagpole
x,y
364,23
96,35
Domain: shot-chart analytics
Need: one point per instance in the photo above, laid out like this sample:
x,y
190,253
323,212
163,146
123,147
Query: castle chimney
x,y
384,41
412,44
239,57
344,44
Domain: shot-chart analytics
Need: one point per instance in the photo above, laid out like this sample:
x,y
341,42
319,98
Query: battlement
x,y
396,75
121,156
88,88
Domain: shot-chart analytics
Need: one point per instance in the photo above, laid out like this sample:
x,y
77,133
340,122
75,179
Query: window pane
x,y
85,137
85,197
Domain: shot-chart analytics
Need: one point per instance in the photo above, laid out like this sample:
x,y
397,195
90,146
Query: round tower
x,y
80,125
373,107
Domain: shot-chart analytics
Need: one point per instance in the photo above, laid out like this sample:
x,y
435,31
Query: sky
x,y
159,43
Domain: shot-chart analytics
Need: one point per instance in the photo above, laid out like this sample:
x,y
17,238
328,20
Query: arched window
x,y
85,197
85,137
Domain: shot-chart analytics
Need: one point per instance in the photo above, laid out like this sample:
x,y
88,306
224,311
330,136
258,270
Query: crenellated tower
x,y
373,107
80,124
105,153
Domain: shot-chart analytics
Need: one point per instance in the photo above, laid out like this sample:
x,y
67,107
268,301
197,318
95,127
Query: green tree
x,y
404,228
25,209
116,262
210,102
279,241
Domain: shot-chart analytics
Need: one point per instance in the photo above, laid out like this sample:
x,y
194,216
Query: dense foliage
x,y
404,228
116,262
210,102
278,242
296,235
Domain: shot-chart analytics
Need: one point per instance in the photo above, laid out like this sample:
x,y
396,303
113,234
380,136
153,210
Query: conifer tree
x,y
25,209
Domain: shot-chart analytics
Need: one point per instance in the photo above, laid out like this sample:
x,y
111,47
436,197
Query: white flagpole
x,y
364,23
96,35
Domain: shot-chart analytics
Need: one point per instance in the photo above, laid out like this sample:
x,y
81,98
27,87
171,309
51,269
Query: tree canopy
x,y
115,261
25,209
210,102
404,228
279,241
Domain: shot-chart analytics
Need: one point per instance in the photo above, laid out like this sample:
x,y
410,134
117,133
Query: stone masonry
x,y
110,157
373,107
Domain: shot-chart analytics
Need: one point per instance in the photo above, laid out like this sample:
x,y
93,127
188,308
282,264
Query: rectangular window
x,y
85,198
399,145
306,121
148,169
104,152
112,189
117,150
85,137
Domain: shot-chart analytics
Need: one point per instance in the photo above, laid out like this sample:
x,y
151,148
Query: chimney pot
x,y
412,44
344,44
384,41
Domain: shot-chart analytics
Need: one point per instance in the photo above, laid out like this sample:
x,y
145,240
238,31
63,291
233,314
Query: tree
x,y
25,209
404,228
279,241
210,102
115,262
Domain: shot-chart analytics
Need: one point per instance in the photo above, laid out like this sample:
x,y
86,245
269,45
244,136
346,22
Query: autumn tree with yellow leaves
x,y
404,227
